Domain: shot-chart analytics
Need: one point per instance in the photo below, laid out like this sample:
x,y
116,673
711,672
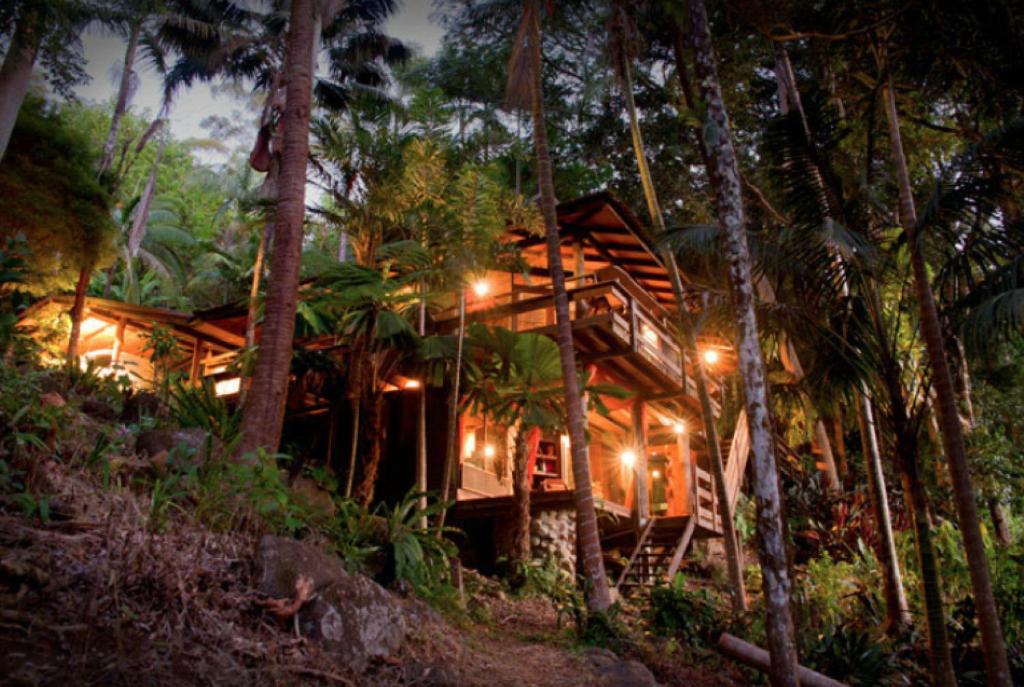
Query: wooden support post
x,y
643,502
118,340
197,361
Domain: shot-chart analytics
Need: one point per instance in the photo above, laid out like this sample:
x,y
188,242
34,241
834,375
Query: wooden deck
x,y
539,500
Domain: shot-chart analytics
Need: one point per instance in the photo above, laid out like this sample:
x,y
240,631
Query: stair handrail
x,y
636,552
736,462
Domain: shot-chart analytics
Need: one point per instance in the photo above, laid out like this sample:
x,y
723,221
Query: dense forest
x,y
831,195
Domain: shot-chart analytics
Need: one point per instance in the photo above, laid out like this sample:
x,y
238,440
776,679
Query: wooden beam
x,y
643,501
680,550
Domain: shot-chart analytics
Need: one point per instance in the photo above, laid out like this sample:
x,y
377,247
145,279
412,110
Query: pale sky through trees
x,y
104,54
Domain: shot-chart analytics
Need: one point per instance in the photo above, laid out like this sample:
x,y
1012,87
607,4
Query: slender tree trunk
x,y
141,220
421,422
264,412
124,93
588,539
897,608
732,552
770,526
353,452
451,456
993,646
77,311
375,430
1000,523
521,502
16,72
939,658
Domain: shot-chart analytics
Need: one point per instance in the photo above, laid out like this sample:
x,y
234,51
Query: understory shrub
x,y
692,617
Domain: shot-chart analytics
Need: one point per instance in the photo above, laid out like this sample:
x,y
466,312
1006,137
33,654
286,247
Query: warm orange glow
x,y
488,451
628,459
91,325
412,384
470,446
227,387
481,288
650,336
656,474
711,356
679,427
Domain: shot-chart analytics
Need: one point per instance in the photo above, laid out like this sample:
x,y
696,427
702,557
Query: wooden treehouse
x,y
648,460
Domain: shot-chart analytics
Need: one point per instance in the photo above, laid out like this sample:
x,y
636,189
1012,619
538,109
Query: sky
x,y
104,55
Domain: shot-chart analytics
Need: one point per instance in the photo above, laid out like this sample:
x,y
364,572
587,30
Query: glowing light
x,y
481,288
711,356
470,446
216,370
227,387
91,325
650,336
656,474
628,459
412,384
678,427
488,451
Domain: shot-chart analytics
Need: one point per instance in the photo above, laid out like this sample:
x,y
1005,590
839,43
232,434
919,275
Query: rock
x,y
158,444
52,399
142,404
352,617
600,658
312,494
94,407
626,674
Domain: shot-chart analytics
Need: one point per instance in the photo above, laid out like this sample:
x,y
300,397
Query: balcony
x,y
615,323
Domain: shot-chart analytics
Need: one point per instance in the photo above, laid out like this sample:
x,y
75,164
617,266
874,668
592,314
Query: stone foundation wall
x,y
553,535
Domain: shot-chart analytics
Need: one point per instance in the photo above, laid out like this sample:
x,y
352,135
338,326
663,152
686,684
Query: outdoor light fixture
x,y
412,384
227,387
656,474
481,288
711,356
628,459
91,325
678,427
488,451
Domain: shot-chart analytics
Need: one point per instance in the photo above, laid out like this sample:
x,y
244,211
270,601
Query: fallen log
x,y
756,657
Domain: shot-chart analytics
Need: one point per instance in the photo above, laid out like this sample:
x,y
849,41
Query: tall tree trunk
x,y
77,311
16,71
451,455
421,421
896,606
124,93
993,646
353,451
142,210
732,552
588,540
999,522
264,411
772,540
521,501
374,404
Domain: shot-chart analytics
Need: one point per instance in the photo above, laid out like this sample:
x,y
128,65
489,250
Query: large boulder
x,y
613,671
352,617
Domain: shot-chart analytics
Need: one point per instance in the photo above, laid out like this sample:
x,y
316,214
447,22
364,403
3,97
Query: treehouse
x,y
649,466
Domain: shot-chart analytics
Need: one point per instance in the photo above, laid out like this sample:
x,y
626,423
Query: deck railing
x,y
636,320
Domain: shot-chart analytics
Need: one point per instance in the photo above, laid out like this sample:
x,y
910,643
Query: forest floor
x,y
92,592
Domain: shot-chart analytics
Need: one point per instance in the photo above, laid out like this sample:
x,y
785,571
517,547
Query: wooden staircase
x,y
658,553
663,541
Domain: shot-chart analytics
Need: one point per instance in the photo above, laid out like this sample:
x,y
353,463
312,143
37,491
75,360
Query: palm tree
x,y
515,380
770,526
993,645
263,418
526,86
622,35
